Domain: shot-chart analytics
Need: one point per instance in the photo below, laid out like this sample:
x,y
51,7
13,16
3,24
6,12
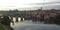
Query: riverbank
x,y
5,27
1,27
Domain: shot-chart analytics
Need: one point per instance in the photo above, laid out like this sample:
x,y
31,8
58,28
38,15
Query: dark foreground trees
x,y
55,20
6,21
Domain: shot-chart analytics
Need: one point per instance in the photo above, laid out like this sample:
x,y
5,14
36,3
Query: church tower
x,y
41,8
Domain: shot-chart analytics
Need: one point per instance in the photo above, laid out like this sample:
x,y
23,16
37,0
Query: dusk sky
x,y
29,4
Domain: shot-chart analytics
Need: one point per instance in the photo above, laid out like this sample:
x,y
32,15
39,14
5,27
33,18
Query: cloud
x,y
52,7
29,3
46,3
53,0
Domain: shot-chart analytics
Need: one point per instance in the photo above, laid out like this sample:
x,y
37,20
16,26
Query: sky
x,y
29,4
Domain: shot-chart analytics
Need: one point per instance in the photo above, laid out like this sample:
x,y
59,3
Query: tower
x,y
42,15
41,8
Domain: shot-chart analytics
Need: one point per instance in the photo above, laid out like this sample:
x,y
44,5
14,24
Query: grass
x,y
1,27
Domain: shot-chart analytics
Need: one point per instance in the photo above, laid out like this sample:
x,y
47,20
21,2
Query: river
x,y
30,25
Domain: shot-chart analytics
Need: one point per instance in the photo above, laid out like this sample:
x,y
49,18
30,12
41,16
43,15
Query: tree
x,y
6,20
55,20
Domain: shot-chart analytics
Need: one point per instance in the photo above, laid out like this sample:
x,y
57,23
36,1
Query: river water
x,y
30,25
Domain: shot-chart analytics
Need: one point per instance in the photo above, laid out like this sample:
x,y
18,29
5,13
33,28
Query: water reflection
x,y
30,25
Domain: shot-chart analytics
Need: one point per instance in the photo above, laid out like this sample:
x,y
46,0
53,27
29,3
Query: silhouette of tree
x,y
6,20
55,19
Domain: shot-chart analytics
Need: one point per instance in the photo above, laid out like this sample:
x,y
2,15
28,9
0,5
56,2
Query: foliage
x,y
6,20
55,20
1,27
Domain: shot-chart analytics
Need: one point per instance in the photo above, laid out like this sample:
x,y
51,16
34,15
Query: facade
x,y
34,13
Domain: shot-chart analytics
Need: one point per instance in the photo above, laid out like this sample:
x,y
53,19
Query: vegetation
x,y
1,27
6,22
55,20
